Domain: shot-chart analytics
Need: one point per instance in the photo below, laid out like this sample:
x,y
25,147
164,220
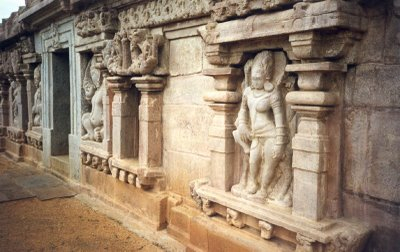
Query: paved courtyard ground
x,y
39,212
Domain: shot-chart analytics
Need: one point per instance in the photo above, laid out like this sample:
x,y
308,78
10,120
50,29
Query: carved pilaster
x,y
150,128
124,116
224,102
312,151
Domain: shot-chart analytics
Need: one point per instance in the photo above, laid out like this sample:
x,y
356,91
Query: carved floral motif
x,y
263,132
94,22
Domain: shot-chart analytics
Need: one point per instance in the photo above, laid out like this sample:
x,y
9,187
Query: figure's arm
x,y
243,118
280,124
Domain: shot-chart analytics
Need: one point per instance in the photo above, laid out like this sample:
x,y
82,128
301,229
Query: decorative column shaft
x,y
30,91
311,144
124,116
221,142
150,128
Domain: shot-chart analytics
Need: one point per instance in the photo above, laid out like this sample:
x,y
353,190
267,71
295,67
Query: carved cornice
x,y
159,12
93,22
223,10
328,28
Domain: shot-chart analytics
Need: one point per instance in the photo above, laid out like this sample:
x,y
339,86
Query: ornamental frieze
x,y
163,11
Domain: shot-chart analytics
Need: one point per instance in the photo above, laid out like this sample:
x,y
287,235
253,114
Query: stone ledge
x,y
327,232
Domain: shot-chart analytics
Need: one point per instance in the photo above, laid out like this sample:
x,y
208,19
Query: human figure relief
x,y
14,92
37,99
92,123
262,131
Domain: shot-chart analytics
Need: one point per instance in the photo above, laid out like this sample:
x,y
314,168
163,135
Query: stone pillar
x,y
224,101
30,92
311,144
4,112
124,117
150,128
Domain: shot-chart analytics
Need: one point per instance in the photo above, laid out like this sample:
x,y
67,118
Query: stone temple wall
x,y
371,122
236,125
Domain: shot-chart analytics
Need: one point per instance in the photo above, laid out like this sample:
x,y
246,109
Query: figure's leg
x,y
269,167
254,163
87,126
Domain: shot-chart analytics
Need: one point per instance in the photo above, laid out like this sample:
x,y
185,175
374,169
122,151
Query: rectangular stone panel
x,y
375,85
187,89
185,128
186,56
372,143
181,168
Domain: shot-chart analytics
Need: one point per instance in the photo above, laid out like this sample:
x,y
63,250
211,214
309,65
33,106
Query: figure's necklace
x,y
259,92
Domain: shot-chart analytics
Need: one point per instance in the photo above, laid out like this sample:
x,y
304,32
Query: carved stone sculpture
x,y
92,122
94,22
14,92
134,52
262,132
37,99
156,12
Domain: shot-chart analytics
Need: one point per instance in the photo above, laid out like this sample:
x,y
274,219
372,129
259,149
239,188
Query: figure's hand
x,y
278,151
244,133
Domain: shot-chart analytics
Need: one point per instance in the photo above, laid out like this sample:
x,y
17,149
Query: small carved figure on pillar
x,y
14,91
92,123
262,131
37,99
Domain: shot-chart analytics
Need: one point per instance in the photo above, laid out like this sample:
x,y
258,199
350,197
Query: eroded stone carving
x,y
266,230
225,9
234,218
162,11
133,52
94,22
37,99
263,132
93,122
95,162
27,45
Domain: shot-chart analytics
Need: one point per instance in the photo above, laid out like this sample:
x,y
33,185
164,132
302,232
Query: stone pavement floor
x,y
38,212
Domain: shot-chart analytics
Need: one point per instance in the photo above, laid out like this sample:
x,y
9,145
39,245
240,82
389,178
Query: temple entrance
x,y
61,112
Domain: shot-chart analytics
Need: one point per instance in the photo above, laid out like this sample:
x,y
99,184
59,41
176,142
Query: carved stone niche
x,y
32,74
273,140
133,60
96,134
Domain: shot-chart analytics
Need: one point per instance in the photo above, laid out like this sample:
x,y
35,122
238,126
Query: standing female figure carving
x,y
262,128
